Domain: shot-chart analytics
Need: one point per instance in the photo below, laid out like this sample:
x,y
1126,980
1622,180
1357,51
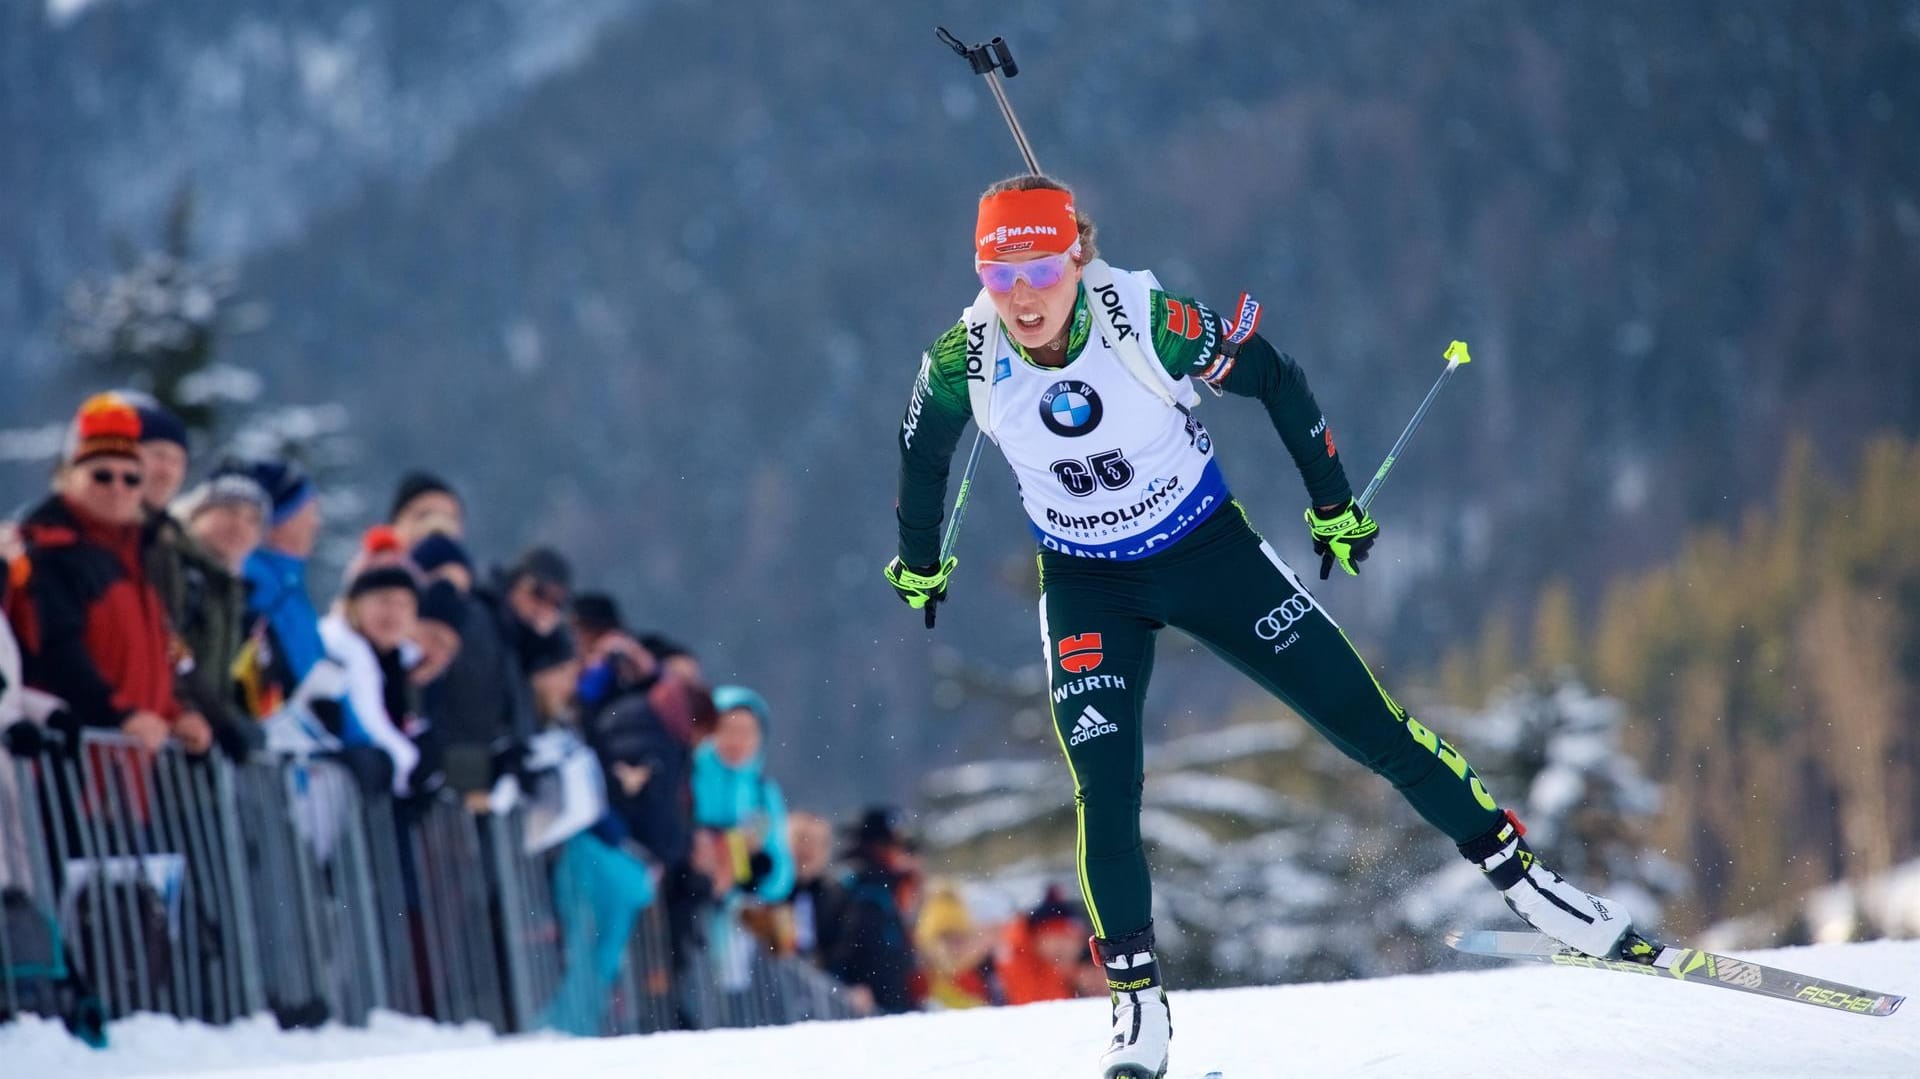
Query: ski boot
x,y
1142,1025
1590,924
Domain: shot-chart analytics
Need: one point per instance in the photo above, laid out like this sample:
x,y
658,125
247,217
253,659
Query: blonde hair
x,y
1028,181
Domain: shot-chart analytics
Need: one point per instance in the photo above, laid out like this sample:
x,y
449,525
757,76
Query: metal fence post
x,y
394,921
226,833
515,919
164,807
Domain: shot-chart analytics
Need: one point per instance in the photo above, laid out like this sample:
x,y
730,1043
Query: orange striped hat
x,y
106,426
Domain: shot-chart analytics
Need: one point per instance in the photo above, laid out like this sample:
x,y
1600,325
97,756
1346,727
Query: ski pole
x,y
952,536
988,60
1456,355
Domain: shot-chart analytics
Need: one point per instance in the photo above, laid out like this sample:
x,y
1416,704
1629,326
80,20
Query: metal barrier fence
x,y
738,983
208,890
132,856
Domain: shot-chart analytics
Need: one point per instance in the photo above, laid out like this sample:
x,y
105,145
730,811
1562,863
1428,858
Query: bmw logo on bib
x,y
1070,408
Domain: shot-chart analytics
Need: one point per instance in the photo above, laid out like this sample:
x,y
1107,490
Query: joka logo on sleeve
x,y
1080,653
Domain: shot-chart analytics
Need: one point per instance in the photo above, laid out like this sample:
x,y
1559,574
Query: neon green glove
x,y
1346,536
921,589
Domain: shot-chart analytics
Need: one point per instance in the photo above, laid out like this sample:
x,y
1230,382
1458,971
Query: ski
x,y
1681,964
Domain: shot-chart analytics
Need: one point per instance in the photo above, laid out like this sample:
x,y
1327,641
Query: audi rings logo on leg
x,y
1282,618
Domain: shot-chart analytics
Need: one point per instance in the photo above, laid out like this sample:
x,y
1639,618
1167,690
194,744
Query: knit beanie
x,y
412,486
224,488
943,912
105,426
1054,910
383,577
441,602
878,826
545,565
727,698
286,484
158,423
597,612
379,547
439,550
663,647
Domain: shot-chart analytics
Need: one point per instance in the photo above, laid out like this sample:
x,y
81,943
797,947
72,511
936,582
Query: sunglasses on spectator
x,y
105,477
1040,273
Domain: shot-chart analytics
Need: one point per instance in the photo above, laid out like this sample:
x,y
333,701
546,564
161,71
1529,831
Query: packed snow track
x,y
1564,1024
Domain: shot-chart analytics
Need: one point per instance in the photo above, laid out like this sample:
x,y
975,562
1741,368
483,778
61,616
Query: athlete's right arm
x,y
937,413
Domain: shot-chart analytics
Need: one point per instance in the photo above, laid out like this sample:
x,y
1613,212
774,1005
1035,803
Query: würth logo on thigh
x,y
1080,653
1091,724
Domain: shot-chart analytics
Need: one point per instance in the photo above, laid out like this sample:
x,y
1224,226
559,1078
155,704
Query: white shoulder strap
x,y
1120,304
983,342
1119,301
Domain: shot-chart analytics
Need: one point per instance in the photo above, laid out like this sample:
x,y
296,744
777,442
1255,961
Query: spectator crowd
x,y
185,614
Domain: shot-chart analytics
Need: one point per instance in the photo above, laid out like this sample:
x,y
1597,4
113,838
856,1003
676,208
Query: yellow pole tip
x,y
1457,353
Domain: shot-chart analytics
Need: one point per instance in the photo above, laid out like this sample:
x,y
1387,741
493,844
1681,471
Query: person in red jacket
x,y
91,626
1043,956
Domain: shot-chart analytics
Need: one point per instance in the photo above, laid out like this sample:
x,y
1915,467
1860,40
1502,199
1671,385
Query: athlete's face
x,y
1036,316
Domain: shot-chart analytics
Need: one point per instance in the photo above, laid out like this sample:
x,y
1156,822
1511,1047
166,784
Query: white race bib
x,y
1106,468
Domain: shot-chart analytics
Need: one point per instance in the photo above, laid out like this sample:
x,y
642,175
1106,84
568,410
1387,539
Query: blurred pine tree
x,y
1768,674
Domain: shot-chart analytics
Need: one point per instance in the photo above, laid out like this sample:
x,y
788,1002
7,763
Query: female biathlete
x,y
1084,376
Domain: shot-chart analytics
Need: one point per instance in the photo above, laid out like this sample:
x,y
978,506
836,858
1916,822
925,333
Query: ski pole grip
x,y
1004,57
983,59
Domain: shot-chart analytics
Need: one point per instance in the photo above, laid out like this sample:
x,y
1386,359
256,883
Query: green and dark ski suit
x,y
1215,578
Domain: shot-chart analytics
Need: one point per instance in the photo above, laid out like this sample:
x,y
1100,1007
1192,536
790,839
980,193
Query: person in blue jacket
x,y
733,795
276,571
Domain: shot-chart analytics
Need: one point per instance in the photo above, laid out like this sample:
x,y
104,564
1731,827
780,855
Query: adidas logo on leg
x,y
1090,725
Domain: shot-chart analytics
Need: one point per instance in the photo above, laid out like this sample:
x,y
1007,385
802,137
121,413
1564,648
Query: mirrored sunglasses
x,y
1039,273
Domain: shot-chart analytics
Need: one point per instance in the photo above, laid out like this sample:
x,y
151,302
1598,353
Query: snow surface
x,y
1564,1024
161,1045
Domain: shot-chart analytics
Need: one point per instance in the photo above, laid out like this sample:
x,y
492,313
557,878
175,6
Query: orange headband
x,y
1037,219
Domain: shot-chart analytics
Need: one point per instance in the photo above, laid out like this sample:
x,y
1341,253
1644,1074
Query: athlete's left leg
x,y
1237,597
1233,593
